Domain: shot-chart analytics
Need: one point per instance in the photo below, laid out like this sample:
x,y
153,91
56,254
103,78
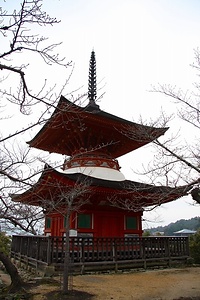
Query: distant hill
x,y
192,224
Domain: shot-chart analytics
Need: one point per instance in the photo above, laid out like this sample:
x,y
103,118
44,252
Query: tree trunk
x,y
16,281
66,257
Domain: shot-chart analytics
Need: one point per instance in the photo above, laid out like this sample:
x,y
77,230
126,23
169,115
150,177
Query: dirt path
x,y
166,284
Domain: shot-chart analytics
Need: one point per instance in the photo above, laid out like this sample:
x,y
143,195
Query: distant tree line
x,y
192,224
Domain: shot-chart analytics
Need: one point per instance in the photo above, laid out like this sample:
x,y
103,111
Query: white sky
x,y
138,43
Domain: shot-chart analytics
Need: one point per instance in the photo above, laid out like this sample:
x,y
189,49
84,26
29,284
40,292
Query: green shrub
x,y
5,242
146,233
195,247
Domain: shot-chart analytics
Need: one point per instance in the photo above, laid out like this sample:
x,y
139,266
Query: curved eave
x,y
52,182
72,127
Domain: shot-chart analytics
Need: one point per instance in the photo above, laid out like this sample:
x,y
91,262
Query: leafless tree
x,y
20,44
53,195
177,157
69,200
19,37
16,28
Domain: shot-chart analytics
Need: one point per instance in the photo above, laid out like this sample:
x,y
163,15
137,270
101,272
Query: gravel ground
x,y
166,284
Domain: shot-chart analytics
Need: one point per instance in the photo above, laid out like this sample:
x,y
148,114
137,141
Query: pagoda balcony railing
x,y
91,161
86,250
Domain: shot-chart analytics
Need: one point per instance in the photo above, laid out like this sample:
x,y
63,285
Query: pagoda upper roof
x,y
73,129
52,184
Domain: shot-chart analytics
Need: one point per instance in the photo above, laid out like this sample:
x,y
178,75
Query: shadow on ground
x,y
72,295
188,298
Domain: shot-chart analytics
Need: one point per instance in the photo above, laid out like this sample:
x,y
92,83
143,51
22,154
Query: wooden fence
x,y
110,252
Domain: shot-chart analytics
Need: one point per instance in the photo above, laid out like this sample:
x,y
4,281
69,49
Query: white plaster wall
x,y
98,172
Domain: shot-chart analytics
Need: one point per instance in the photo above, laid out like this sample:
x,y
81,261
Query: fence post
x,y
38,239
82,255
187,246
20,251
143,251
114,253
49,242
168,250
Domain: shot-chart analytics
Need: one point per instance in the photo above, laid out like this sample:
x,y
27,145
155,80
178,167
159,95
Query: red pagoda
x,y
92,140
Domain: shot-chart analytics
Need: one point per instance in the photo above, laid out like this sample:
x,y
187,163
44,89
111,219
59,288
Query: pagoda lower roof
x,y
73,129
52,184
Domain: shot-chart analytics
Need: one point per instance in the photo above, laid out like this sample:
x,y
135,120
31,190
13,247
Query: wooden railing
x,y
50,250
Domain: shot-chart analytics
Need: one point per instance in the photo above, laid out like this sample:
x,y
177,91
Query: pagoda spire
x,y
92,93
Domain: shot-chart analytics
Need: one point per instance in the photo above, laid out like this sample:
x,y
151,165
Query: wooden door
x,y
109,225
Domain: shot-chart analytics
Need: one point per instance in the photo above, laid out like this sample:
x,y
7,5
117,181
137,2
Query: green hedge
x,y
5,242
195,247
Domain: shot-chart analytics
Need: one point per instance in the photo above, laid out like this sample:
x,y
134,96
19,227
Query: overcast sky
x,y
138,44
